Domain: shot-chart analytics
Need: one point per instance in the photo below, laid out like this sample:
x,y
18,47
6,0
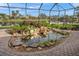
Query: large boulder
x,y
43,31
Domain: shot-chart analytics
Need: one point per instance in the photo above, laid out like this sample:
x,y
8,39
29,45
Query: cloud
x,y
3,4
33,7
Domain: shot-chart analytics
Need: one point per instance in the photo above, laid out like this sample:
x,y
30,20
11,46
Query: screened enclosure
x,y
34,9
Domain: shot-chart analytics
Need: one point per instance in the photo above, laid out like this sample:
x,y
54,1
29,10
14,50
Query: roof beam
x,y
36,9
58,10
61,7
53,6
40,6
39,9
33,8
9,9
71,5
25,9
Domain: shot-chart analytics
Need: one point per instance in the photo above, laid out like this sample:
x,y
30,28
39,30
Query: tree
x,y
17,11
42,16
15,14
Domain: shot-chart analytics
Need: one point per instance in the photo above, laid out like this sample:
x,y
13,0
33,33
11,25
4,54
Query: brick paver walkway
x,y
70,47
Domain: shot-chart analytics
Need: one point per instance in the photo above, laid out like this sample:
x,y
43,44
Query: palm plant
x,y
15,14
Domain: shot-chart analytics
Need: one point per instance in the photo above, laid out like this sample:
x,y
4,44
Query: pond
x,y
51,36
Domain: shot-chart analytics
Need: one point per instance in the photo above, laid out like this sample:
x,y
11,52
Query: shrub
x,y
65,26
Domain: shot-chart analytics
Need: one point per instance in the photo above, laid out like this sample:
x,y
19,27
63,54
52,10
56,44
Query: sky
x,y
46,6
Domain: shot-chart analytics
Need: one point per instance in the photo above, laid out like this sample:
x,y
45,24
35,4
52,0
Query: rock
x,y
43,31
17,47
24,45
33,45
42,45
17,42
40,48
28,49
20,48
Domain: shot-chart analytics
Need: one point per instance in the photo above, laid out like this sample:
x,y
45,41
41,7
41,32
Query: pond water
x,y
50,36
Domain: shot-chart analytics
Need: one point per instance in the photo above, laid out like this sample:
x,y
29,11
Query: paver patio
x,y
70,47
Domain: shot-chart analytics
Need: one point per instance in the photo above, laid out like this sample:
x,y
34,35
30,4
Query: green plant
x,y
5,27
47,43
65,26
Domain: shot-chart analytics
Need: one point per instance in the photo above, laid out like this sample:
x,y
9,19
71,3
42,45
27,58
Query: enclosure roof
x,y
39,6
